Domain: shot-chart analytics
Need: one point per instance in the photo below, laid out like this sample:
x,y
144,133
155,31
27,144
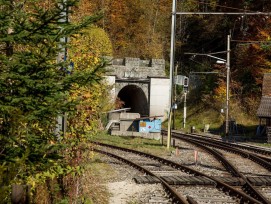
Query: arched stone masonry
x,y
141,84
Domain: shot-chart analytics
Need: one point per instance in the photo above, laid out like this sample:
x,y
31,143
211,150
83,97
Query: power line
x,y
252,41
228,7
204,72
212,53
225,13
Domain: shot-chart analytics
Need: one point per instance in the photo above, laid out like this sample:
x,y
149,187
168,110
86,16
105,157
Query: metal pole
x,y
62,56
184,110
227,87
172,57
175,97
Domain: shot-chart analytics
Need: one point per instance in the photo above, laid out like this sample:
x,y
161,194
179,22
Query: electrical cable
x,y
252,41
221,6
228,7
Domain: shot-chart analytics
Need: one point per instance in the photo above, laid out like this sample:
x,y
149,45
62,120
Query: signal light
x,y
185,82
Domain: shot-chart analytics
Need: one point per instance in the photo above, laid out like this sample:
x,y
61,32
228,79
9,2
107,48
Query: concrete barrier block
x,y
129,116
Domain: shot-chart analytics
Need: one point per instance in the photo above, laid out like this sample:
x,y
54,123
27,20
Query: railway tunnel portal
x,y
134,97
141,85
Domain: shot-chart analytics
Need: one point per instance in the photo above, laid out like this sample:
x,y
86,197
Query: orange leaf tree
x,y
85,53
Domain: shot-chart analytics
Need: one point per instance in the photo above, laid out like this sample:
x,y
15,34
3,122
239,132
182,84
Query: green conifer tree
x,y
34,84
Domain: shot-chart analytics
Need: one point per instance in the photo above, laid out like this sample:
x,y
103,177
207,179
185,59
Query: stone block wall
x,y
136,68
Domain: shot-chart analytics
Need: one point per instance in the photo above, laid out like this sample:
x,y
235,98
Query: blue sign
x,y
150,126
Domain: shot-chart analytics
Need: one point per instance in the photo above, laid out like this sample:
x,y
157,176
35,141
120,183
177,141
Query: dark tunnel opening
x,y
134,98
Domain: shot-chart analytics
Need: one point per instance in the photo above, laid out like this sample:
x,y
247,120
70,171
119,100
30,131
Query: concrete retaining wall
x,y
159,97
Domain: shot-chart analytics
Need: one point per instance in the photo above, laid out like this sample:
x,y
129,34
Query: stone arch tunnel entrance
x,y
134,97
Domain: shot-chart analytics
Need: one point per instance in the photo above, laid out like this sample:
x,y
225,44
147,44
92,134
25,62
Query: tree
x,y
136,28
208,34
34,86
85,52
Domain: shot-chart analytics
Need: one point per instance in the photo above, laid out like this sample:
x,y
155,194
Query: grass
x,y
197,116
146,145
200,114
93,180
265,145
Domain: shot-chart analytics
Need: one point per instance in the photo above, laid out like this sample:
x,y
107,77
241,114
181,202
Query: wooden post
x,y
20,194
196,157
177,152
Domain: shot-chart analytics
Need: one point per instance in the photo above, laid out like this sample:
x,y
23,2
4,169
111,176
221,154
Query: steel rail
x,y
249,148
228,166
219,184
259,160
247,187
177,198
191,200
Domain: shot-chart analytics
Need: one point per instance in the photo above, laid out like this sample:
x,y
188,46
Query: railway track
x,y
251,148
202,187
234,148
249,185
176,197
